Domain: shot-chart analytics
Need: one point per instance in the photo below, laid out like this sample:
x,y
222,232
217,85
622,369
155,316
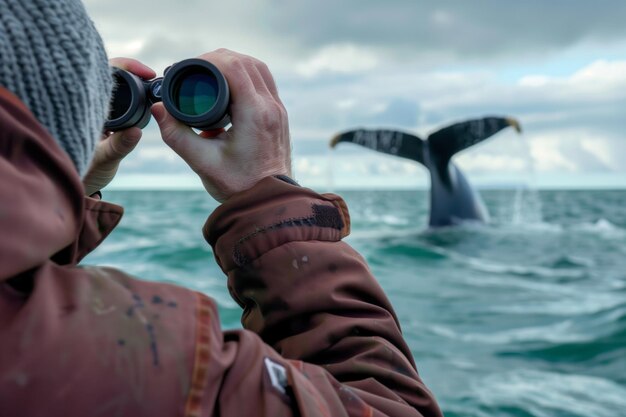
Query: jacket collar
x,y
43,212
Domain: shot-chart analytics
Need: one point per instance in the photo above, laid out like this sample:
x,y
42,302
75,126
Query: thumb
x,y
174,133
180,137
112,149
122,143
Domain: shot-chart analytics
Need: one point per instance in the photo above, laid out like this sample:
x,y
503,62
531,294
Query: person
x,y
320,338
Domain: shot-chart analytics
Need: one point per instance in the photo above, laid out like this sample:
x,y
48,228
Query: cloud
x,y
482,163
480,28
342,58
601,148
429,33
169,31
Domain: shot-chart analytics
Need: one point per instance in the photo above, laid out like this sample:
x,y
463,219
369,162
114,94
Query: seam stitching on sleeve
x,y
323,216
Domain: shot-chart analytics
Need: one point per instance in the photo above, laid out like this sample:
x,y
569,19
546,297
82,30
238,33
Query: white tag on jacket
x,y
277,374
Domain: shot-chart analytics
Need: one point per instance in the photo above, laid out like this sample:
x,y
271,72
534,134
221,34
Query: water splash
x,y
527,205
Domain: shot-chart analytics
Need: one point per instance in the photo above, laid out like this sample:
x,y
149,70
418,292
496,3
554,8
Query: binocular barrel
x,y
193,91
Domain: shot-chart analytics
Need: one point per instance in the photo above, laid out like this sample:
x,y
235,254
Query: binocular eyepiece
x,y
193,91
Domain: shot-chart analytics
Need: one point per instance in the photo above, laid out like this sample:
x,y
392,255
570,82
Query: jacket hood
x,y
42,203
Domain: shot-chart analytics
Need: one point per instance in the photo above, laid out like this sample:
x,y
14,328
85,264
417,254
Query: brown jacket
x,y
321,338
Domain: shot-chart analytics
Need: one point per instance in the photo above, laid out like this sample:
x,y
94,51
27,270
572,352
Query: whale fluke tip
x,y
514,124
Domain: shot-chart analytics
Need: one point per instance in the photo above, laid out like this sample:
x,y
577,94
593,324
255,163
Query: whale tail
x,y
452,197
444,143
392,142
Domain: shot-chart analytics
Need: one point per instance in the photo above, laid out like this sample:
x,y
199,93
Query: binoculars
x,y
193,91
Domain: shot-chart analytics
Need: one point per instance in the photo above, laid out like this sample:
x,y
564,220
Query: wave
x,y
450,243
601,227
387,219
383,234
557,333
522,392
571,261
604,328
569,267
483,265
609,348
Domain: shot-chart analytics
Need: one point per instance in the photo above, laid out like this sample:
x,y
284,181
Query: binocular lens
x,y
122,98
128,105
195,93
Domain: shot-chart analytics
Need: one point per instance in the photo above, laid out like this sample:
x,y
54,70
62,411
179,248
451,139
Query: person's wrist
x,y
223,191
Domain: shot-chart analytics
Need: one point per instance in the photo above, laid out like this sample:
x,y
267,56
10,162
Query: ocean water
x,y
522,317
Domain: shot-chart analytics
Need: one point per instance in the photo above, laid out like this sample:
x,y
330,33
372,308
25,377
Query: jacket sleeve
x,y
336,345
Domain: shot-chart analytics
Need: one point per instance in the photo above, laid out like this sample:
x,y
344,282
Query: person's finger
x,y
194,149
260,85
250,65
268,78
120,144
134,66
242,89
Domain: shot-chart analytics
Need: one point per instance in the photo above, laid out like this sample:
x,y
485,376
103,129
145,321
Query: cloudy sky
x,y
559,67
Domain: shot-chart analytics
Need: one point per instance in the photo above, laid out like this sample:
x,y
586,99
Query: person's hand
x,y
113,147
256,146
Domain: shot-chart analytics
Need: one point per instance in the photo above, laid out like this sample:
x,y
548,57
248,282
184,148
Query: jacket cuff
x,y
270,214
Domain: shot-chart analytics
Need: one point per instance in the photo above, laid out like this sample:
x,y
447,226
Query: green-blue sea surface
x,y
523,317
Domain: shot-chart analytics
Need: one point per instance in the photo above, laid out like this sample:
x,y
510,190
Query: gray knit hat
x,y
53,59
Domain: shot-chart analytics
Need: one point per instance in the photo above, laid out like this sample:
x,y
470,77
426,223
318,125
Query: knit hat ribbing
x,y
53,59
